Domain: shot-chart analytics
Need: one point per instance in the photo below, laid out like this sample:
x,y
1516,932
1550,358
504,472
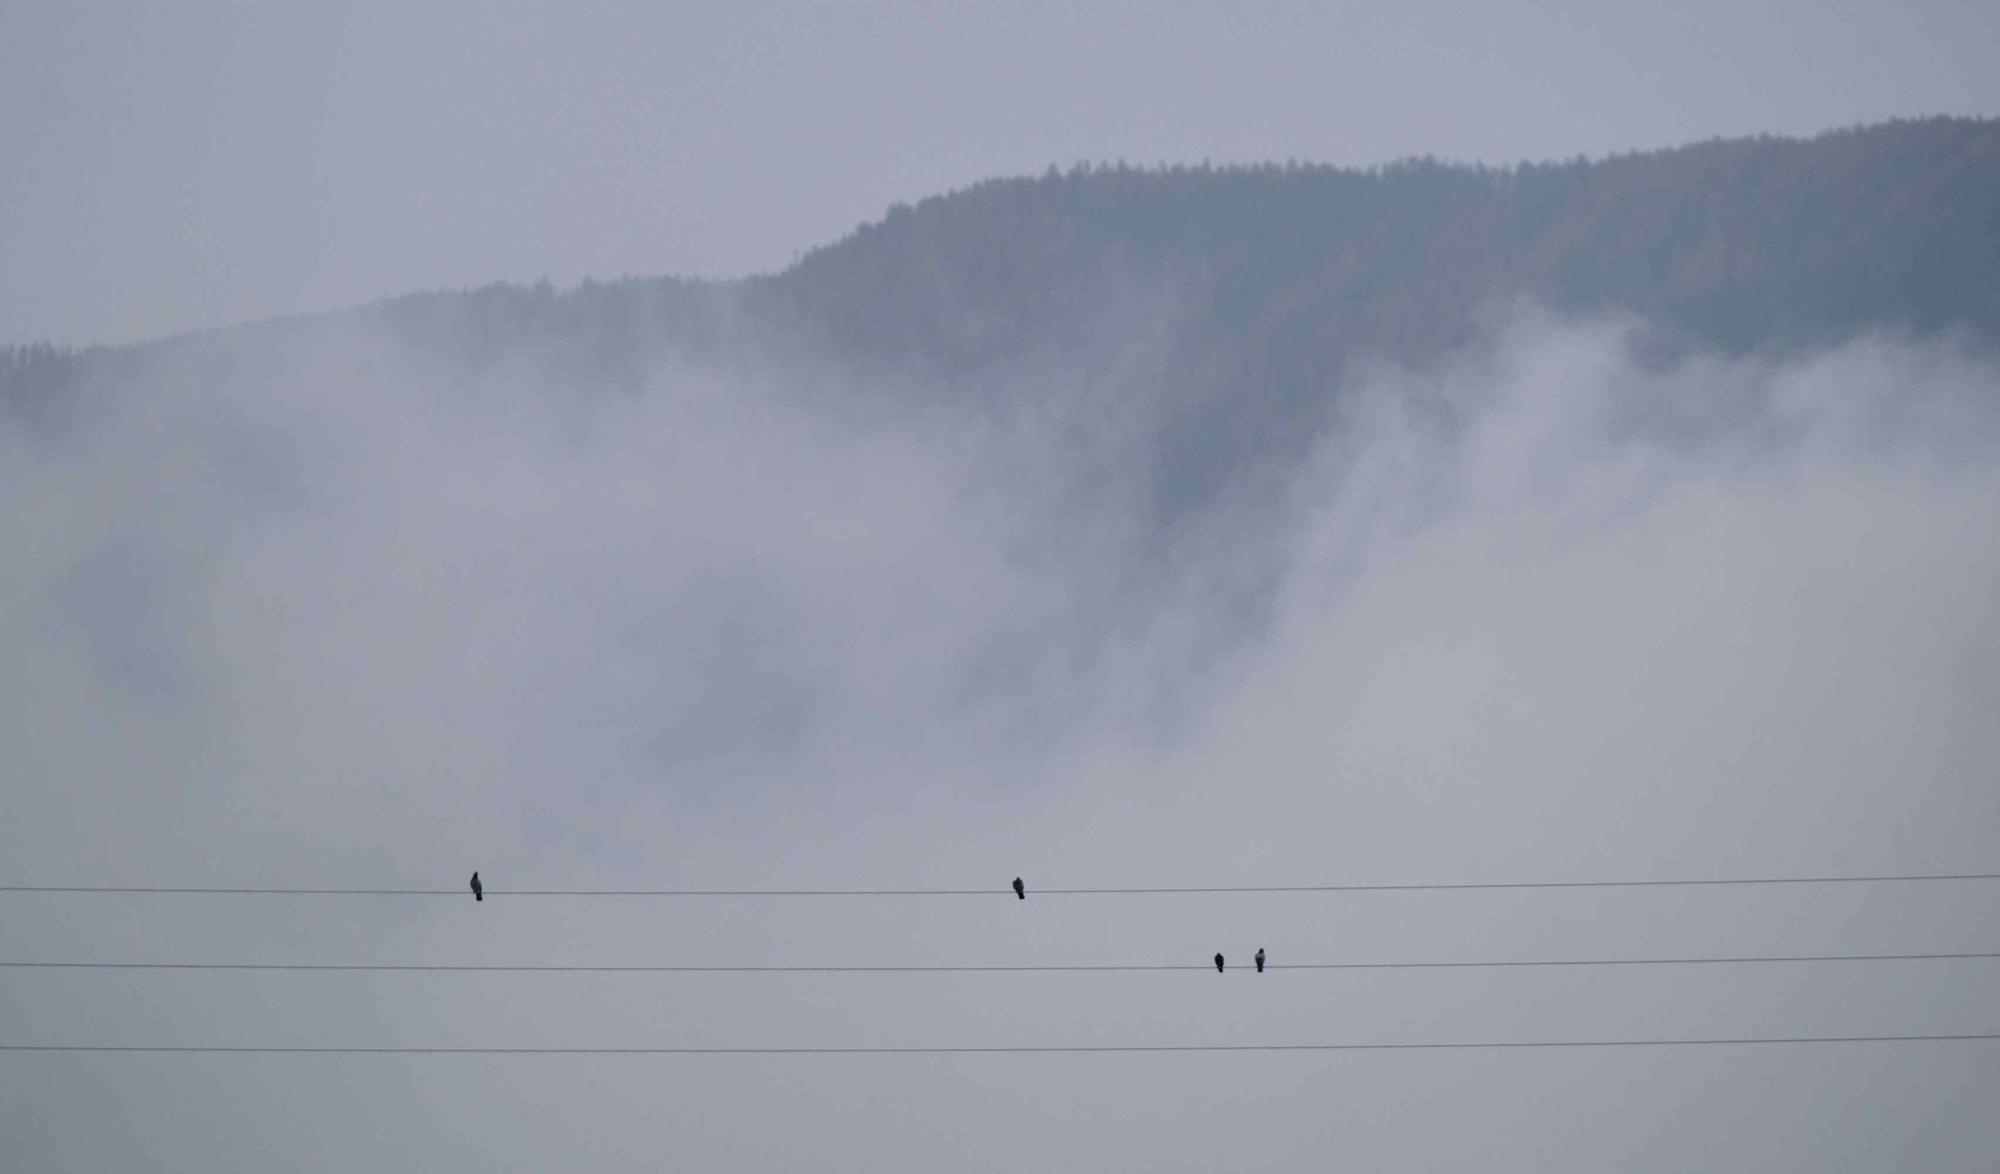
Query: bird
x,y
1260,959
478,890
1218,964
1020,890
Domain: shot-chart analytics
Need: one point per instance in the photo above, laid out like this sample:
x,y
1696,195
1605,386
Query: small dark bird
x,y
1218,964
478,890
1020,890
1260,959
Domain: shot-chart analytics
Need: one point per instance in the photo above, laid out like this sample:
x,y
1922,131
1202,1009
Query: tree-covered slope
x,y
1265,285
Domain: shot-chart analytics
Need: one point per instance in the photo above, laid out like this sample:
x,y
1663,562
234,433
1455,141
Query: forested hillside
x,y
1257,290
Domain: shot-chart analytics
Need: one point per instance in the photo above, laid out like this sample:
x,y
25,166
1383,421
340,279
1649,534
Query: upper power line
x,y
1030,893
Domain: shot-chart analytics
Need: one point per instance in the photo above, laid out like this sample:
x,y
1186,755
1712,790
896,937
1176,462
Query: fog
x,y
286,607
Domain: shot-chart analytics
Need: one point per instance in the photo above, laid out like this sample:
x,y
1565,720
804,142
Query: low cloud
x,y
1544,611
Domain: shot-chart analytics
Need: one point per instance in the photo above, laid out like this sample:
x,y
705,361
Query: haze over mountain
x,y
1275,525
1269,286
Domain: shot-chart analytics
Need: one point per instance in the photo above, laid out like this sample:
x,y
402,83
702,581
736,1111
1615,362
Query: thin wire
x,y
1241,969
1017,1049
1004,892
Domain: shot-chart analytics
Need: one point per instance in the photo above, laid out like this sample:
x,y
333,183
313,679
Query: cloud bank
x,y
309,614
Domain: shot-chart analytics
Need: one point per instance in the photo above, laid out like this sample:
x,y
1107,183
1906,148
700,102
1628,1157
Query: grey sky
x,y
287,607
167,167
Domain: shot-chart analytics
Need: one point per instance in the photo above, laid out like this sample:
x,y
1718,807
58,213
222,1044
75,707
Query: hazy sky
x,y
171,166
295,606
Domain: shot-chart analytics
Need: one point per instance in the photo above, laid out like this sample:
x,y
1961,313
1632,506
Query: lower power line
x,y
1021,1049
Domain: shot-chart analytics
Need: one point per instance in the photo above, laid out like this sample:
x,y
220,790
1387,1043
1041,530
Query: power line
x,y
1001,892
539,968
1014,1049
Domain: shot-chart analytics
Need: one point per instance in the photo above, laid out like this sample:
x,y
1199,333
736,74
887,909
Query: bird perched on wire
x,y
1218,964
478,890
1020,890
1260,959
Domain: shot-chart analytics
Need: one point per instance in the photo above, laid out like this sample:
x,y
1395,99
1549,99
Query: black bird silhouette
x,y
1218,964
478,890
1020,890
1260,959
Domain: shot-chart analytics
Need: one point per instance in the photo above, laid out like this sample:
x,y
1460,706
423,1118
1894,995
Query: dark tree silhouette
x,y
1283,280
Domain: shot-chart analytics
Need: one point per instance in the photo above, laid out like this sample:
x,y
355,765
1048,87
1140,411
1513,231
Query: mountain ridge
x,y
1273,281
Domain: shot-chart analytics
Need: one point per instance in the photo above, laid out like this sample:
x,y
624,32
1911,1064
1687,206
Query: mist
x,y
313,614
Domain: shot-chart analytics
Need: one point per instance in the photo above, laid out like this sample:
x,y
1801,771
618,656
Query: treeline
x,y
1277,279
1738,244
